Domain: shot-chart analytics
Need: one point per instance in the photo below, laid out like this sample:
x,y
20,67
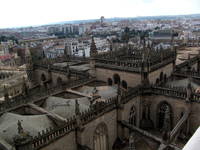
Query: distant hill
x,y
132,18
167,17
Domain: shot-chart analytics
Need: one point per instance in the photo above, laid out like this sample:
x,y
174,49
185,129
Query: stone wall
x,y
178,106
67,142
156,74
110,120
194,117
194,66
38,73
131,78
135,102
54,75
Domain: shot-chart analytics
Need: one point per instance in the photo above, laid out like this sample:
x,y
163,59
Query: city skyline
x,y
31,13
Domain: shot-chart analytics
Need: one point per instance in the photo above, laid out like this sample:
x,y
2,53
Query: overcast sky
x,y
15,13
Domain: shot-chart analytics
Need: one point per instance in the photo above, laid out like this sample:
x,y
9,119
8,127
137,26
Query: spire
x,y
172,40
43,54
189,90
93,48
189,63
24,87
6,95
27,51
84,53
145,68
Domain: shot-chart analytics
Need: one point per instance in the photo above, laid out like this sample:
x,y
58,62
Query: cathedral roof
x,y
66,107
104,91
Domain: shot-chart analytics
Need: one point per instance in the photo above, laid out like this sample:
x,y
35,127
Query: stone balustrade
x,y
36,93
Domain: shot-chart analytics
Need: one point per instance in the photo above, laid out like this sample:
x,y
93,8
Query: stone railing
x,y
121,68
195,97
133,92
98,109
38,92
49,135
132,63
177,92
192,74
135,65
33,94
62,70
169,92
187,62
158,65
76,83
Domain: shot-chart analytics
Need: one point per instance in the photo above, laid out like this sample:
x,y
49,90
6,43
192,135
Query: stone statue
x,y
20,128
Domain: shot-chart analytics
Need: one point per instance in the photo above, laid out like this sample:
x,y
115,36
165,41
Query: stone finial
x,y
149,45
143,57
188,56
199,52
43,54
49,68
131,142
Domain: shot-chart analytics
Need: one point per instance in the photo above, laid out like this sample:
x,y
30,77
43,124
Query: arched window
x,y
116,78
164,111
101,137
124,84
161,76
110,81
132,116
157,81
165,78
43,77
59,81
